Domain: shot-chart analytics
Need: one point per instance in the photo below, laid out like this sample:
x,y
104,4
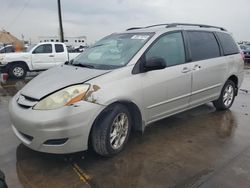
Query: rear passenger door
x,y
168,90
208,66
61,55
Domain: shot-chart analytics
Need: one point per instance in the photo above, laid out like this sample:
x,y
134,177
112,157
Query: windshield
x,y
30,47
113,51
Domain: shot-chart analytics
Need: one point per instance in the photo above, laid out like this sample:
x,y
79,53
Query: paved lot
x,y
198,148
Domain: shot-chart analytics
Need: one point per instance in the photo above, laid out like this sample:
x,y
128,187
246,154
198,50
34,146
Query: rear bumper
x,y
65,130
247,56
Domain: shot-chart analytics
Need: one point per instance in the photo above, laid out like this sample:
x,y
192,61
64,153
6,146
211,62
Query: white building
x,y
69,41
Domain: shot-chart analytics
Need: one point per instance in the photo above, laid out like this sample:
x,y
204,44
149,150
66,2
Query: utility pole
x,y
60,20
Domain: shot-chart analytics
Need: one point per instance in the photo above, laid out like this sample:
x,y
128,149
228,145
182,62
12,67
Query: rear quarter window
x,y
228,44
59,48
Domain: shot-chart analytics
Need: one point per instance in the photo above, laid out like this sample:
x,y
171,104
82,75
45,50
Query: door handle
x,y
51,56
185,70
197,67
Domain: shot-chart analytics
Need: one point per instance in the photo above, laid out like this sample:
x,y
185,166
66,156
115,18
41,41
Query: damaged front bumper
x,y
61,131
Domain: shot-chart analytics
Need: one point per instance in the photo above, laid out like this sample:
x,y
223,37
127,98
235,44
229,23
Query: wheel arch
x,y
135,113
19,62
235,80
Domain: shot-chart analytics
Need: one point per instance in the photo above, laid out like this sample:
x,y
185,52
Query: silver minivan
x,y
124,82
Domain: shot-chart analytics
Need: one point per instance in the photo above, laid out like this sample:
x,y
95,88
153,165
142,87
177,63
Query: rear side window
x,y
170,47
203,45
59,48
228,44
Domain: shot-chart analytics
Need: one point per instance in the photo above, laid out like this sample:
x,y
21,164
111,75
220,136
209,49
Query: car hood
x,y
57,78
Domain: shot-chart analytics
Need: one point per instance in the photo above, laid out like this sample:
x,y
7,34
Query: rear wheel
x,y
111,132
18,71
227,96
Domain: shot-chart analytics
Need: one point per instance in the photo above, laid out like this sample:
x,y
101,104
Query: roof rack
x,y
133,28
178,24
198,25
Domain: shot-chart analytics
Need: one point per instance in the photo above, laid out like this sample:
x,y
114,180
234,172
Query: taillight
x,y
242,55
3,77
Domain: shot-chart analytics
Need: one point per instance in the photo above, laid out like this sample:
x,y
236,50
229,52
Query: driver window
x,y
42,49
170,47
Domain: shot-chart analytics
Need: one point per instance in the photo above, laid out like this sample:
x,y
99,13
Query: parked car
x,y
38,57
81,48
76,49
127,81
246,51
7,49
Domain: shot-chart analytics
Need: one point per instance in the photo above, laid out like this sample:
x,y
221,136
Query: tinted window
x,y
44,48
169,47
228,44
59,48
203,45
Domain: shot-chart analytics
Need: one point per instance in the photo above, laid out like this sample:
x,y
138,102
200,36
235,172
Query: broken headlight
x,y
64,97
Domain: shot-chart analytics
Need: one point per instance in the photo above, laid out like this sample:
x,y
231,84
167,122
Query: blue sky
x,y
95,19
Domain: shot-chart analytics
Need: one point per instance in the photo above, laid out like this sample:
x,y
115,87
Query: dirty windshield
x,y
113,51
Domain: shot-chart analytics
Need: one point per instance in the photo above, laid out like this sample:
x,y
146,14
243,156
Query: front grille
x,y
24,106
26,102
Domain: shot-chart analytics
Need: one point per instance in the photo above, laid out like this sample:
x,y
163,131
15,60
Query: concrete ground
x,y
198,148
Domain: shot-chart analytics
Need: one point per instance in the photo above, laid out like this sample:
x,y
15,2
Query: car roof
x,y
50,43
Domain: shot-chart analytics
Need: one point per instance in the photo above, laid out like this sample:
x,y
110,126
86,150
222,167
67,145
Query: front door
x,y
168,90
43,57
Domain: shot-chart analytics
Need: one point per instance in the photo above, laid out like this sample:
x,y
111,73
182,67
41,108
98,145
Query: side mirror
x,y
155,64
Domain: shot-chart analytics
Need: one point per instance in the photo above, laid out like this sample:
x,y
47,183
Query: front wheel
x,y
111,132
227,96
17,71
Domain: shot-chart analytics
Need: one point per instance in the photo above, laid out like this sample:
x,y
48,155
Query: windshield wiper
x,y
84,65
97,45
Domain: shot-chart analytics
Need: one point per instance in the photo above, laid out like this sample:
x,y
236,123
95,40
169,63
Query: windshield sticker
x,y
140,37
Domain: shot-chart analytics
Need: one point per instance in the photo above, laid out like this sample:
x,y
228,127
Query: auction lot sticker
x,y
140,37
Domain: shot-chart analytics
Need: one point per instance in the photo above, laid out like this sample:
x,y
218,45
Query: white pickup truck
x,y
38,57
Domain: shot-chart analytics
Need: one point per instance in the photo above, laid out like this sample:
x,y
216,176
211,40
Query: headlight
x,y
1,59
2,56
64,97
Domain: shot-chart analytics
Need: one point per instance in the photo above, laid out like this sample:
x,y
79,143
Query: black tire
x,y
13,71
2,180
219,104
101,132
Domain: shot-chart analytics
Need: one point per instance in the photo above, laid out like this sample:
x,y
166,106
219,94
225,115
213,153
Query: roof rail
x,y
177,24
198,25
156,25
